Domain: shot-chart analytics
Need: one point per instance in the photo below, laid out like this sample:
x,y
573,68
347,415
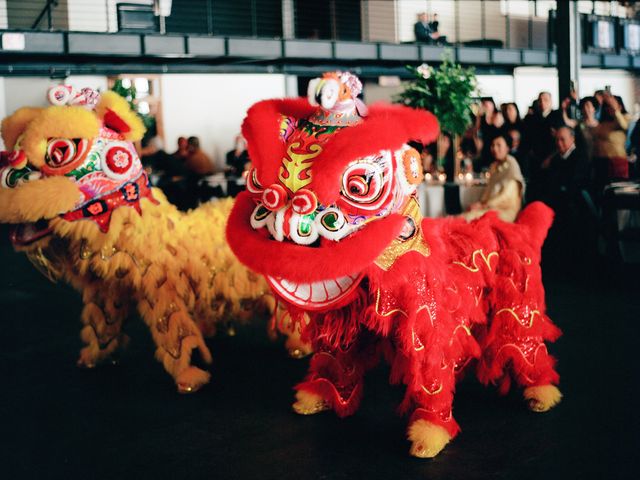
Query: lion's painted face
x,y
322,205
97,165
67,159
371,188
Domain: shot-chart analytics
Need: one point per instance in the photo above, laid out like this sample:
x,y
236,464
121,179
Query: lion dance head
x,y
73,160
333,185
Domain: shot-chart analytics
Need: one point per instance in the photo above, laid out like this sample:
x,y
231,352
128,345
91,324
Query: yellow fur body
x,y
175,268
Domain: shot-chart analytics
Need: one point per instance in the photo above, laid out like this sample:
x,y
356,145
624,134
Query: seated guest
x,y
183,149
237,158
564,172
511,115
197,161
515,151
489,123
505,187
436,37
422,29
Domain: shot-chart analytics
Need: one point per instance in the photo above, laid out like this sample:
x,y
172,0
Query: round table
x,y
438,199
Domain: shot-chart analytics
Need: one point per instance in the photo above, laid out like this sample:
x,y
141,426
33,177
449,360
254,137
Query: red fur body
x,y
431,295
477,296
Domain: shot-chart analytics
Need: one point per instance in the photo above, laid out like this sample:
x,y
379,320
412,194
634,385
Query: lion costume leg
x,y
513,346
335,378
105,310
176,336
431,425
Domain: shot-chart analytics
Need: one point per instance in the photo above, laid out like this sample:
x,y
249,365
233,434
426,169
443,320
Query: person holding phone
x,y
609,141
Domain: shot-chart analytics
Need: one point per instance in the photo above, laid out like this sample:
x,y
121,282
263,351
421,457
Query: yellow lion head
x,y
74,159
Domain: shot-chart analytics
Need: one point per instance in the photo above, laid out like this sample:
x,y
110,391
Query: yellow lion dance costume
x,y
83,211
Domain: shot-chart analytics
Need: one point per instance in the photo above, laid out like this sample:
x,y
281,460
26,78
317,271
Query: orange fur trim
x,y
14,125
111,104
54,122
32,201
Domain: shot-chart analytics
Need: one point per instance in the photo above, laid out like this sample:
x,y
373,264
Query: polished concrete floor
x,y
127,421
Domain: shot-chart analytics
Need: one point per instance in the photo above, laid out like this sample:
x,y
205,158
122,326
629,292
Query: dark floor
x,y
57,421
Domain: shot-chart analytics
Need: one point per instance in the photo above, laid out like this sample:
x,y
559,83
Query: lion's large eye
x,y
117,160
65,154
253,185
366,183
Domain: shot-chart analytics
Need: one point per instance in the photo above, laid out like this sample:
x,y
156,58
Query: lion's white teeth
x,y
318,293
289,286
332,288
304,291
344,282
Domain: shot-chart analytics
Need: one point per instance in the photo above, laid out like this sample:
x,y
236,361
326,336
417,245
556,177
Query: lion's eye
x,y
117,160
253,185
366,183
65,154
60,151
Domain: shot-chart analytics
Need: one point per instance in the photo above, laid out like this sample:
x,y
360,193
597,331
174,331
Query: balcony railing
x,y
290,35
501,24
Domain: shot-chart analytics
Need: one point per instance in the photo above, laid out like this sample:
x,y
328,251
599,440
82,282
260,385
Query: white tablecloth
x,y
431,197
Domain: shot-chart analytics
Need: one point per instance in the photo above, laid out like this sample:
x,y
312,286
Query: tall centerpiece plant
x,y
129,94
446,91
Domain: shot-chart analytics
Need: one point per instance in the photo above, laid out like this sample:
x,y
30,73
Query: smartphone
x,y
607,88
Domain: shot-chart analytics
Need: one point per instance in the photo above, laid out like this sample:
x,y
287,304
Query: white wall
x,y
622,83
32,91
25,92
87,15
21,92
500,87
212,107
4,15
530,81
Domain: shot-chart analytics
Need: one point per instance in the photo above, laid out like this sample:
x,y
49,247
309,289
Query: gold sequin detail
x,y
485,258
45,265
433,391
399,246
524,323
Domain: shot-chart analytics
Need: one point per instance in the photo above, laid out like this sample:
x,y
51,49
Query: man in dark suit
x,y
538,141
422,29
564,173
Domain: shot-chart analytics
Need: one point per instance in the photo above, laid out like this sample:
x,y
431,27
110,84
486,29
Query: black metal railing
x,y
499,24
48,12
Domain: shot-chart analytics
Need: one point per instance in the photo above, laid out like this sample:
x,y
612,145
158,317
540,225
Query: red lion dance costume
x,y
330,218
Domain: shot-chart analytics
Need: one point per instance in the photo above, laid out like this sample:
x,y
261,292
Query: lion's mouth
x,y
25,234
317,295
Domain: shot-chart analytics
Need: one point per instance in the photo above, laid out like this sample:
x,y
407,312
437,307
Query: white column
x,y
288,19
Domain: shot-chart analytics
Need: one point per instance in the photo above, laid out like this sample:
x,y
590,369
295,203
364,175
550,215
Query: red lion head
x,y
332,185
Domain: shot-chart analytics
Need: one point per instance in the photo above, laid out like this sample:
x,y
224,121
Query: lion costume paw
x,y
427,439
542,398
192,379
309,403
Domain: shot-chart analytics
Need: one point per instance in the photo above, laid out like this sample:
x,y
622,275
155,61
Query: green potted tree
x,y
447,91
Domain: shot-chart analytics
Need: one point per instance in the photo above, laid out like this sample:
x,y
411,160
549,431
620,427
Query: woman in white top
x,y
505,186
